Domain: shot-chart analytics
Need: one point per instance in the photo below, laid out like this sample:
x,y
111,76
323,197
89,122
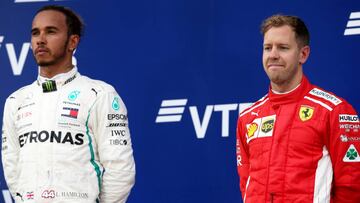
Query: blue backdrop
x,y
202,56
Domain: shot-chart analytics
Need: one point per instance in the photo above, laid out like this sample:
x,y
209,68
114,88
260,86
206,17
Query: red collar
x,y
294,96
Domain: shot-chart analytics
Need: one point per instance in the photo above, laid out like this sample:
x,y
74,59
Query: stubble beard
x,y
282,78
55,59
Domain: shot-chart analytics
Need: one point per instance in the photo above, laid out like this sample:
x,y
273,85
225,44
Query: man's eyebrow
x,y
47,28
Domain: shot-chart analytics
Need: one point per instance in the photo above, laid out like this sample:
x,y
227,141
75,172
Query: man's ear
x,y
304,54
73,42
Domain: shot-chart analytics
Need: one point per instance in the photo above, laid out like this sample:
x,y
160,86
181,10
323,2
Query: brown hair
x,y
297,25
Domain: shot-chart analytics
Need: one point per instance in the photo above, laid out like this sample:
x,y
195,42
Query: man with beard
x,y
65,136
299,143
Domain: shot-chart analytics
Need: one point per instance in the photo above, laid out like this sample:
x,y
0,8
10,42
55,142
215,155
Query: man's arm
x,y
114,147
242,157
344,147
10,147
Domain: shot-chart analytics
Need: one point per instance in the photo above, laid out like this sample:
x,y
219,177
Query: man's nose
x,y
274,53
41,39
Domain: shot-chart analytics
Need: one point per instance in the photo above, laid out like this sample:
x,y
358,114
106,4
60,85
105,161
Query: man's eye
x,y
267,48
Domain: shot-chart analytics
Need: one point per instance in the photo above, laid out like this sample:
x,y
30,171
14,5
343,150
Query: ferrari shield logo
x,y
306,112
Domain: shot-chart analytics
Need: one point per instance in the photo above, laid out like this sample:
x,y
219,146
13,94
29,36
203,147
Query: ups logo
x,y
267,126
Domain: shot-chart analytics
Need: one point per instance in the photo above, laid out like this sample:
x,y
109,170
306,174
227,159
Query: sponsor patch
x,y
115,104
29,195
348,127
116,125
306,112
351,155
329,97
118,133
118,142
345,138
348,118
267,126
73,95
70,112
252,128
266,130
117,117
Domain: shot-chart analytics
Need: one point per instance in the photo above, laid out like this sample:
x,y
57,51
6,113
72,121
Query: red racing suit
x,y
302,146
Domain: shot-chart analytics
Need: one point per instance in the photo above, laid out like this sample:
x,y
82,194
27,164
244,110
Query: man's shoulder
x,y
327,99
22,92
256,105
98,85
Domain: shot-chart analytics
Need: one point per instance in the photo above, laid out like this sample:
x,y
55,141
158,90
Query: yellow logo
x,y
306,112
252,129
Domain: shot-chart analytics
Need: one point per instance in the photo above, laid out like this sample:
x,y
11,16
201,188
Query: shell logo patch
x,y
260,128
306,112
252,129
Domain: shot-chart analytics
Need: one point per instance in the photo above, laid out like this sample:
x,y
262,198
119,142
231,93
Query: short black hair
x,y
73,21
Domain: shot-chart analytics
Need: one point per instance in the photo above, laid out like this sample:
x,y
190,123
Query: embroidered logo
x,y
351,155
252,129
306,112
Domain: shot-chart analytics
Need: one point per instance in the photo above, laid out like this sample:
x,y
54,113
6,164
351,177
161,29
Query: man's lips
x,y
275,66
41,51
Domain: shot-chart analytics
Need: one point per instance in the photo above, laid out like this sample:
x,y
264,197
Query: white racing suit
x,y
67,140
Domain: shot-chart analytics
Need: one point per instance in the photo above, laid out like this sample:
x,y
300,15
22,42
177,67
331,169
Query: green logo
x,y
351,154
49,86
115,104
73,95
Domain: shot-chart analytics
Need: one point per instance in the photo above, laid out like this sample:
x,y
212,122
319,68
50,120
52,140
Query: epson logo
x,y
117,117
353,25
17,62
31,1
52,136
172,111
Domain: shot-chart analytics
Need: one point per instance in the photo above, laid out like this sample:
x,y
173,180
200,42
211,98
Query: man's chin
x,y
45,63
276,79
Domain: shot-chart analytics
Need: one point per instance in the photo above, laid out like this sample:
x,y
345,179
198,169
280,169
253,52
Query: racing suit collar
x,y
292,96
60,79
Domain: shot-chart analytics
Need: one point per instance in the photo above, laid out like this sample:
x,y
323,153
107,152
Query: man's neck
x,y
289,85
51,71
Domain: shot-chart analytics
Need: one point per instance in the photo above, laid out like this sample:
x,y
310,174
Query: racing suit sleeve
x,y
10,147
243,165
344,148
114,147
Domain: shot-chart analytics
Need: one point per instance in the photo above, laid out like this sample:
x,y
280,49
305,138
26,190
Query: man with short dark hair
x,y
65,137
299,143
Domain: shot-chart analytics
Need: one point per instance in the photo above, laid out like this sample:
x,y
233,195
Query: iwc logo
x,y
306,112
